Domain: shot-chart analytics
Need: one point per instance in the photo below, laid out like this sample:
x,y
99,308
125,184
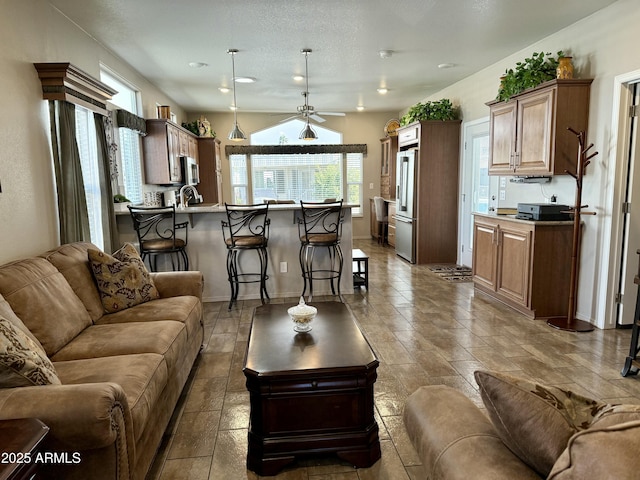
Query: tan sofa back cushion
x,y
41,297
72,262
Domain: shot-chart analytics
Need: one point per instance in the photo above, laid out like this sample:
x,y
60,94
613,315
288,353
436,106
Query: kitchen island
x,y
208,254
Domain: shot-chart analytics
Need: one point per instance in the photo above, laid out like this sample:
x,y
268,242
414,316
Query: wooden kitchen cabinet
x,y
210,161
391,234
388,151
528,134
163,146
525,264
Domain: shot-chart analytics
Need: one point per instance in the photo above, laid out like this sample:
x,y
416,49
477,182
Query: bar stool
x,y
157,229
246,228
320,225
382,218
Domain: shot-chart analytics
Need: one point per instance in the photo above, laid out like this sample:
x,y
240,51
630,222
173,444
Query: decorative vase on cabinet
x,y
565,68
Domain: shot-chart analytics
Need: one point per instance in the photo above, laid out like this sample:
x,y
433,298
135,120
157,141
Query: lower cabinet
x,y
525,264
391,234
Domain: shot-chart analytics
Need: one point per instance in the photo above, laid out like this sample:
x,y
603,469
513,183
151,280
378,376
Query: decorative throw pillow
x,y
122,279
23,363
534,421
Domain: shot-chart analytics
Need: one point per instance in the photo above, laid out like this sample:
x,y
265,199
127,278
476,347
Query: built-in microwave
x,y
190,171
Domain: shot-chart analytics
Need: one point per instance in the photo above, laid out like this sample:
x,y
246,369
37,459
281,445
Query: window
x,y
88,150
130,173
313,174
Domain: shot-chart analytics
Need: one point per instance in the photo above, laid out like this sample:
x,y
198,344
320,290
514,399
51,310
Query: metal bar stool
x,y
246,228
156,228
320,225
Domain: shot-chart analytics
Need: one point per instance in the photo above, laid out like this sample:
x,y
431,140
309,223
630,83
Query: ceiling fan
x,y
307,111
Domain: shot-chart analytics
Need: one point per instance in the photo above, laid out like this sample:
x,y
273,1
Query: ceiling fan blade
x,y
337,114
317,118
288,118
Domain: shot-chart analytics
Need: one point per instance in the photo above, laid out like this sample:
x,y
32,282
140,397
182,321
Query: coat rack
x,y
570,322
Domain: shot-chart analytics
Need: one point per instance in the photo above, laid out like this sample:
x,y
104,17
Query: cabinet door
x,y
534,131
391,234
173,139
502,138
514,260
193,147
484,254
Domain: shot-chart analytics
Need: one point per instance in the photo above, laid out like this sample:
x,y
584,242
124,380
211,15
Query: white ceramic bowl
x,y
302,316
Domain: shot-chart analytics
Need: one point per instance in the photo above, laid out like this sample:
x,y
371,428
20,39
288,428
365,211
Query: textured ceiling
x,y
159,38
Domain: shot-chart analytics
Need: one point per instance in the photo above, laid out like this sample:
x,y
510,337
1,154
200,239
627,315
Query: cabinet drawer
x,y
391,235
409,134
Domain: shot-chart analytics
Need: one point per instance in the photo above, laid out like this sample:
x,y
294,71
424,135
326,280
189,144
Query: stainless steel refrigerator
x,y
405,205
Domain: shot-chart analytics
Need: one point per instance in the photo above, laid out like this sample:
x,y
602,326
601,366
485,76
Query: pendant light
x,y
236,135
307,133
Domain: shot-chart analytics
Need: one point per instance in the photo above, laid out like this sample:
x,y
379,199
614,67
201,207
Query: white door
x,y
477,186
631,225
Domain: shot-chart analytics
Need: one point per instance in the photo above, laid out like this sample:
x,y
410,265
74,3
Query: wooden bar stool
x,y
320,225
246,229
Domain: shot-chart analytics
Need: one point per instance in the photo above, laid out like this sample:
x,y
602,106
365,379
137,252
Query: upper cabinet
x,y
528,133
164,144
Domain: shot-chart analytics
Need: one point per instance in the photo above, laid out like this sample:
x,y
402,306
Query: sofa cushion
x,y
72,261
122,279
533,420
23,363
601,452
164,337
41,297
142,377
186,309
9,314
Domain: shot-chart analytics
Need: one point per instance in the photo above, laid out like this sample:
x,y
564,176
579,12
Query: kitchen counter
x,y
512,218
207,252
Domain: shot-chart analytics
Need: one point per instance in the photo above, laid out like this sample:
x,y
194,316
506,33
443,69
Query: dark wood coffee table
x,y
311,393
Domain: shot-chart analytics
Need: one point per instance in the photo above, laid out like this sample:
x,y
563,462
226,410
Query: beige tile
x,y
196,435
186,469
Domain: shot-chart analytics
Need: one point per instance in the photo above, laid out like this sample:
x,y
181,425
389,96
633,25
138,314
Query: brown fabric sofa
x,y
530,431
121,374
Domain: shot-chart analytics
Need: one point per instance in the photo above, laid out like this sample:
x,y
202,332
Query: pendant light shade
x,y
236,134
307,133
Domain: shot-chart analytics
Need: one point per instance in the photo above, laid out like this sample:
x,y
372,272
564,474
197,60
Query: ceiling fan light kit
x,y
236,134
307,133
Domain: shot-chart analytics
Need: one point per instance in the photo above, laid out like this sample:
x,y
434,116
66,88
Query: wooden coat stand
x,y
570,322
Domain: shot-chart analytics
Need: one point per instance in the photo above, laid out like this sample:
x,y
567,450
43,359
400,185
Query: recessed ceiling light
x,y
446,65
233,107
360,108
298,78
382,90
224,89
244,79
385,53
198,64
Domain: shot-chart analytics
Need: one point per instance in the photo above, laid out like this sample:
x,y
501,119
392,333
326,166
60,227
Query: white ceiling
x,y
159,38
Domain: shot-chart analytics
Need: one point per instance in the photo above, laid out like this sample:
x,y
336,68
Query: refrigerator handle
x,y
403,187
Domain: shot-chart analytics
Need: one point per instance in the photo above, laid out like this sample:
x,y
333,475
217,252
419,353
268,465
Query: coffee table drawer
x,y
315,384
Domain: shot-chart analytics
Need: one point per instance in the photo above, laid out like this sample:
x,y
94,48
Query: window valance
x,y
131,121
294,149
64,81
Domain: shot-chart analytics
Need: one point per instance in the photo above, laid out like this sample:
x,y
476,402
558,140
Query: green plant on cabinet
x,y
531,72
436,110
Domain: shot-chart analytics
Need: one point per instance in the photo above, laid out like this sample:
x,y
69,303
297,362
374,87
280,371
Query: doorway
x,y
630,226
477,186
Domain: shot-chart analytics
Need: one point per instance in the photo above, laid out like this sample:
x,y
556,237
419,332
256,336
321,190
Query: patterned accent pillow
x,y
122,279
533,420
23,363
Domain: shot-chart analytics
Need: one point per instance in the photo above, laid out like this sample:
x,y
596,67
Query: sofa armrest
x,y
174,284
455,440
80,417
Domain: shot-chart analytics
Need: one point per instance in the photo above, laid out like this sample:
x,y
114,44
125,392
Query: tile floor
x,y
425,331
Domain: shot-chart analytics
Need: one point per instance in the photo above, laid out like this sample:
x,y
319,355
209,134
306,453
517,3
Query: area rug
x,y
452,272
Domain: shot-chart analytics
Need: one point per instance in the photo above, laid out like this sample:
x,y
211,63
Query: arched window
x,y
279,166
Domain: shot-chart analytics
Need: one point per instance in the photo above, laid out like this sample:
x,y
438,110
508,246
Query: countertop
x,y
512,218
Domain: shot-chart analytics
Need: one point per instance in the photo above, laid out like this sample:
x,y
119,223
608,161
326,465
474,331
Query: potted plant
x,y
437,110
531,72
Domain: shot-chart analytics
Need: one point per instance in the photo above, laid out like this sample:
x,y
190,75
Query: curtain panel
x,y
72,204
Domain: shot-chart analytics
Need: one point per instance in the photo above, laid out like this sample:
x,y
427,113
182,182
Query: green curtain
x,y
109,226
72,203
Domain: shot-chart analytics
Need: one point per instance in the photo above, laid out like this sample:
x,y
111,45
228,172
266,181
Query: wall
x,y
603,46
356,128
33,32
